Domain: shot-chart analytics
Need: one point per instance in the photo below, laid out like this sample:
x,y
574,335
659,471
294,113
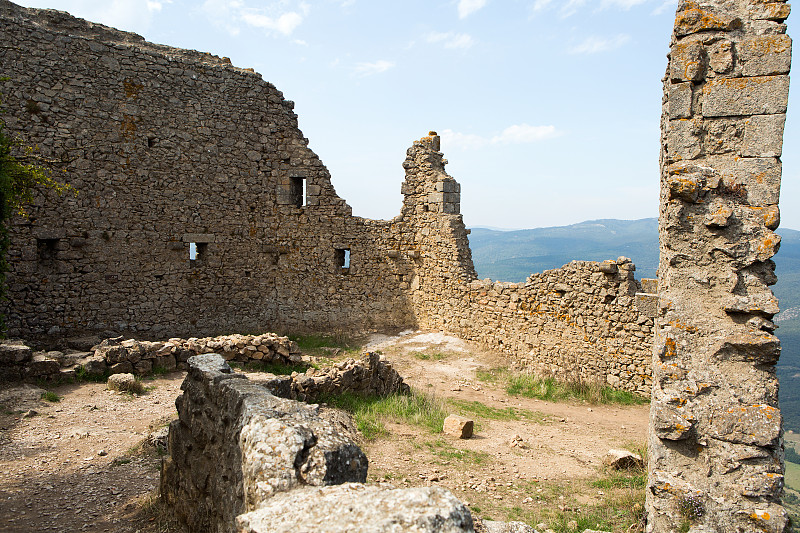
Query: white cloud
x,y
468,7
668,4
594,44
279,17
523,133
451,40
567,8
127,15
378,67
516,134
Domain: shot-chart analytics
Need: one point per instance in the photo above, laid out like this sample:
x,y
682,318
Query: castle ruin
x,y
201,210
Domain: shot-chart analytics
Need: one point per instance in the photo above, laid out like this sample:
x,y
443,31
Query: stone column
x,y
715,442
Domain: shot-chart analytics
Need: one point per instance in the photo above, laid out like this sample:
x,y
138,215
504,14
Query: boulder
x,y
357,507
622,460
458,426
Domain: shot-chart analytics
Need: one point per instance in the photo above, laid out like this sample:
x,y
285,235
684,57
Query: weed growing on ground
x,y
434,356
279,369
445,450
81,374
51,396
327,345
159,516
550,389
371,412
479,410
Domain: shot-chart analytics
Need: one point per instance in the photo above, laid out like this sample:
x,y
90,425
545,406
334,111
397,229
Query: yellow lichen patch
x,y
131,88
128,127
759,515
694,20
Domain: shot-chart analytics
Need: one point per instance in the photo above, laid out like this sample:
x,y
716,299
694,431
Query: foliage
x,y
22,171
371,412
551,389
327,345
51,396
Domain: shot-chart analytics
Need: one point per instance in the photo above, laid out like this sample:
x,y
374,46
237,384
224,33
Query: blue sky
x,y
548,109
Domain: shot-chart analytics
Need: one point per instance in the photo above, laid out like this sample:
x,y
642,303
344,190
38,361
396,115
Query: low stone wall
x,y
115,356
582,321
236,449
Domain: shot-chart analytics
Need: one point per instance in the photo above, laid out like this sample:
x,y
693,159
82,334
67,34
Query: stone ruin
x,y
716,441
201,210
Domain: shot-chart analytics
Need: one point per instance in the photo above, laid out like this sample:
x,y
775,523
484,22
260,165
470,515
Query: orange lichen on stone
x,y
694,19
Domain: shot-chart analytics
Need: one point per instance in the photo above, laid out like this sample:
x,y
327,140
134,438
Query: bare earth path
x,y
79,464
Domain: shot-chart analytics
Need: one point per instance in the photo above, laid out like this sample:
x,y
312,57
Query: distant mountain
x,y
514,255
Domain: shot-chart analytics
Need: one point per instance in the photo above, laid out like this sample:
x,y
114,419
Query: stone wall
x,y
171,150
237,449
201,211
716,442
581,320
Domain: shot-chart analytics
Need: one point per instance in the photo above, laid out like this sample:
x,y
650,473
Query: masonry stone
x,y
715,438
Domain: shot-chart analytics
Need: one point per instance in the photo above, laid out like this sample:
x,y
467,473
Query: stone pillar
x,y
715,442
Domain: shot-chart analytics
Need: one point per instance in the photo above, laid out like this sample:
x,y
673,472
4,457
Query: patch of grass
x,y
371,412
159,517
159,370
479,410
434,356
278,369
119,461
327,345
51,396
551,389
81,374
131,387
445,450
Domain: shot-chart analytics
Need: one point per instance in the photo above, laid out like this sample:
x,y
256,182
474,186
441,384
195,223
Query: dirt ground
x,y
83,463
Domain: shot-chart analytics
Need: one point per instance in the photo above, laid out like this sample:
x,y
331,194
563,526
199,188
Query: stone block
x,y
355,507
13,353
688,62
720,56
647,304
683,139
761,95
694,19
759,425
650,285
680,100
763,136
198,237
458,426
756,179
765,55
622,460
776,11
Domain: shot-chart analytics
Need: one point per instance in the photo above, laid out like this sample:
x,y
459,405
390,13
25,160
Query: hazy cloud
x,y
451,39
594,44
127,15
568,8
667,5
279,17
378,67
468,7
516,134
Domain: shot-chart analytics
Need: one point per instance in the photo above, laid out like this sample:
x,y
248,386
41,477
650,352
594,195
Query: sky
x,y
548,109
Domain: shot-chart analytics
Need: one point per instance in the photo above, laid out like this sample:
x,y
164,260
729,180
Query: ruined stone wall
x,y
289,466
166,148
580,321
715,444
171,149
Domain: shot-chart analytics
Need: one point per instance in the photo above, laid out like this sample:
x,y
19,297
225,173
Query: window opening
x,y
197,251
46,249
298,191
343,258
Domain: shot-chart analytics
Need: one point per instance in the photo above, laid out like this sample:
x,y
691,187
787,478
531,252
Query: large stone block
x,y
353,507
765,55
763,136
725,97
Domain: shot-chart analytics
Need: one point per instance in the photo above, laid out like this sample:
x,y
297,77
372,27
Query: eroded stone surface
x,y
360,509
715,441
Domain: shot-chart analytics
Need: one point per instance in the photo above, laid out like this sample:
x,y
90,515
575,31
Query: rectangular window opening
x,y
343,258
297,191
197,251
46,249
